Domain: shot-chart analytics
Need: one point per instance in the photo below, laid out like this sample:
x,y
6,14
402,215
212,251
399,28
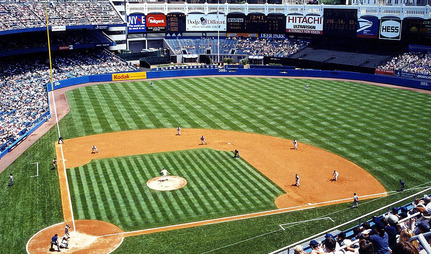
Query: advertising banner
x,y
58,28
273,36
136,23
384,72
129,76
202,22
310,24
368,27
65,47
156,22
390,29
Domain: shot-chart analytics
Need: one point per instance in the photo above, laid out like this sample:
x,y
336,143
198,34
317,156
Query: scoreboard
x,y
256,23
340,22
175,22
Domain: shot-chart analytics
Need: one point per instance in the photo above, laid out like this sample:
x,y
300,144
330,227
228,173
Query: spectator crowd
x,y
387,234
234,45
31,14
418,63
23,95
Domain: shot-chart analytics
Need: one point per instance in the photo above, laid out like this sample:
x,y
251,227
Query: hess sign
x,y
390,29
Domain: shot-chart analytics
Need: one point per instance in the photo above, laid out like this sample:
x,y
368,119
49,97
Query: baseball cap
x,y
314,243
329,235
424,226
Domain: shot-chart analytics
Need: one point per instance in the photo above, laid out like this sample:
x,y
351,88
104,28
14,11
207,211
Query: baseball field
x,y
373,135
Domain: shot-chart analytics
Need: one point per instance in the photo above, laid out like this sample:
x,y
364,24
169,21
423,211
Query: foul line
x,y
236,217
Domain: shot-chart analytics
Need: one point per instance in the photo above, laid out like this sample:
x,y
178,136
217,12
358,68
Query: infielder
x,y
236,154
295,144
355,201
94,149
203,141
297,180
164,174
335,174
179,131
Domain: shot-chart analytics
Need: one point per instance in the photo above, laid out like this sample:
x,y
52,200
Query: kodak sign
x,y
129,76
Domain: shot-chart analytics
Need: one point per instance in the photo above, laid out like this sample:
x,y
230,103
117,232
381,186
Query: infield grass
x,y
384,130
115,189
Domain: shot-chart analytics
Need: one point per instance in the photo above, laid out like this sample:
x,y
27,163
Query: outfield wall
x,y
283,72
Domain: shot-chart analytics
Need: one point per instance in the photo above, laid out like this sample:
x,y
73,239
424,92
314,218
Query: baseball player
x,y
10,180
152,84
355,201
402,185
179,131
306,87
164,174
297,180
66,231
295,144
54,163
203,141
335,174
94,149
236,154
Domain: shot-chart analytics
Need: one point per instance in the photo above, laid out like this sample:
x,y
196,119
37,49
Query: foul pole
x,y
55,111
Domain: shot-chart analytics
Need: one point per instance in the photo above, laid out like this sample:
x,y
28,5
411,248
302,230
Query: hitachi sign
x,y
304,20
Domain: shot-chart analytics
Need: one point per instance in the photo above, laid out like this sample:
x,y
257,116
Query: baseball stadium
x,y
276,126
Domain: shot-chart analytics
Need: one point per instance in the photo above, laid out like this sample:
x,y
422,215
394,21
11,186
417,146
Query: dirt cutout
x,y
90,238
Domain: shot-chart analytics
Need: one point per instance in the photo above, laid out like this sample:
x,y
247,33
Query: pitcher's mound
x,y
172,183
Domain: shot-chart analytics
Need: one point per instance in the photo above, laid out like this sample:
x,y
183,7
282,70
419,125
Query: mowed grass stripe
x,y
113,104
164,209
224,191
244,192
130,169
142,175
141,117
87,193
88,107
226,116
235,189
75,194
126,218
106,119
124,191
205,185
250,183
147,103
197,198
180,201
112,214
99,200
124,108
166,197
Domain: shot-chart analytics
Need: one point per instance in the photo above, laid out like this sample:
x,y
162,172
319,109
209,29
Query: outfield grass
x,y
384,130
115,189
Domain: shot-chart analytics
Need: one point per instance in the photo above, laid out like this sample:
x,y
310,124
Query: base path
x,y
272,156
